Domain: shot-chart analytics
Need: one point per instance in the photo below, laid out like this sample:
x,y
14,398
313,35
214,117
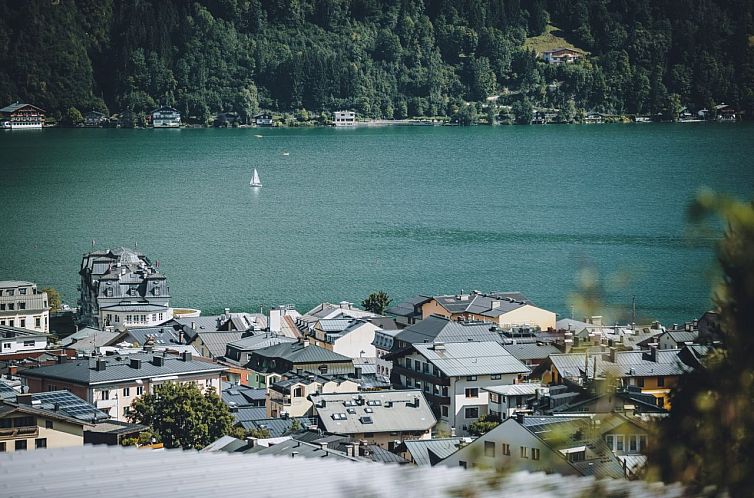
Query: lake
x,y
403,209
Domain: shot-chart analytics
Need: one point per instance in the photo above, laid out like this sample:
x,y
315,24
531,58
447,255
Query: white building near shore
x,y
23,306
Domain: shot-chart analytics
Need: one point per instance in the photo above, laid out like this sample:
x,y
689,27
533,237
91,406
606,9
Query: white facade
x,y
23,306
344,118
355,343
116,316
166,117
19,343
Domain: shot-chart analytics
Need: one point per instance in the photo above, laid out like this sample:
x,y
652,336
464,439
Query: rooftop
x,y
374,411
437,328
471,358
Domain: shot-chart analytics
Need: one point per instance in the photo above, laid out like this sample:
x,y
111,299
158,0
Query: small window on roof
x,y
352,411
366,420
368,410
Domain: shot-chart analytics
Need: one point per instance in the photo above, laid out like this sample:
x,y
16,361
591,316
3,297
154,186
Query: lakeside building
x,y
111,383
121,287
264,119
95,119
561,56
344,118
166,117
23,306
238,356
19,116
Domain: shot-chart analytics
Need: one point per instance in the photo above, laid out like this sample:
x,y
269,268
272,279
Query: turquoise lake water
x,y
405,210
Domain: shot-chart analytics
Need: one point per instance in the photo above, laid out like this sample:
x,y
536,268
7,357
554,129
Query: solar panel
x,y
70,405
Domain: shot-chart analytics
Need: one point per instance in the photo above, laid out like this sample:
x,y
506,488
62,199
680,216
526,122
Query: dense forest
x,y
381,58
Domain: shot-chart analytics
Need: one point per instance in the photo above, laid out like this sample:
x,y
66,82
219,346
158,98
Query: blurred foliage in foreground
x,y
708,438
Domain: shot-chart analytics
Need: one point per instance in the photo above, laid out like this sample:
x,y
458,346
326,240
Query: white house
x,y
166,117
344,118
16,340
23,306
350,337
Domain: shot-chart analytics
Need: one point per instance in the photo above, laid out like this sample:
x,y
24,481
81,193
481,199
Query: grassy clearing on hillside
x,y
551,39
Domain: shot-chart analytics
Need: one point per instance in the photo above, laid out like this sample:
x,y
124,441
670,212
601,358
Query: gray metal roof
x,y
11,332
294,448
178,473
426,452
437,328
249,414
18,105
242,395
259,340
525,389
297,352
531,351
88,339
640,364
83,371
395,412
471,358
278,426
217,342
572,365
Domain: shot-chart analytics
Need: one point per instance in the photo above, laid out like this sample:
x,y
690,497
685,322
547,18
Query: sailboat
x,y
255,181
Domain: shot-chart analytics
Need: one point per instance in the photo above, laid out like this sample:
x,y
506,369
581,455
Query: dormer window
x,y
156,291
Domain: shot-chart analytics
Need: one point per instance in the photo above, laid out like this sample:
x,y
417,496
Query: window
x,y
496,376
20,444
610,440
535,453
489,449
471,378
126,411
2,307
417,365
23,325
11,306
660,380
6,345
640,381
462,464
105,395
524,452
22,306
117,318
444,410
27,344
472,392
472,412
37,322
49,424
2,448
139,390
298,392
494,398
323,369
11,323
619,443
126,391
40,443
506,449
577,456
22,292
408,362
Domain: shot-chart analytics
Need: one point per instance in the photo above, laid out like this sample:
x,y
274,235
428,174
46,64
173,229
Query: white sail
x,y
255,181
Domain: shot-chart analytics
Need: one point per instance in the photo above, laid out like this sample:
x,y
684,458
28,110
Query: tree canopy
x,y
377,302
707,438
182,416
381,58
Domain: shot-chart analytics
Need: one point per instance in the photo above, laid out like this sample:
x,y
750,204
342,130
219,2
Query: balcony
x,y
408,372
19,432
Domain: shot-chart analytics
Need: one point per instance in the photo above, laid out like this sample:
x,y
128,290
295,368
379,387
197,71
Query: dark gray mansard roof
x,y
83,371
436,328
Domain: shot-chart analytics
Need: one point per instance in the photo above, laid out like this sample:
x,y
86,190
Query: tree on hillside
x,y
53,298
72,117
377,302
523,111
707,439
182,416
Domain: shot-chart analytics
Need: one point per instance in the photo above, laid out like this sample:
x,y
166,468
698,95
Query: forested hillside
x,y
382,58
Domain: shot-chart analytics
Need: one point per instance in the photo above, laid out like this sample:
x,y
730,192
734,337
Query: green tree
x,y
523,111
376,302
707,439
53,298
182,416
673,107
72,117
484,424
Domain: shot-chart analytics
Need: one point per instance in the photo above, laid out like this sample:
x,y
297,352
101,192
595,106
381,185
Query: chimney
x,y
251,441
612,355
293,454
180,336
305,342
438,346
568,346
520,417
158,361
227,313
653,352
23,399
350,449
186,356
101,364
357,373
135,363
193,325
323,446
452,432
12,370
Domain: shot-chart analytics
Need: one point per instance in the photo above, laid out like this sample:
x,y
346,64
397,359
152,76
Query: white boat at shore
x,y
255,181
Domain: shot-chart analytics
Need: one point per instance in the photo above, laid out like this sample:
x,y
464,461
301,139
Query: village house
x,y
121,287
31,424
264,119
507,399
19,116
561,56
429,452
453,375
15,341
531,354
166,117
289,397
384,418
344,118
238,355
504,309
408,312
112,383
561,445
268,365
94,119
23,306
328,311
352,337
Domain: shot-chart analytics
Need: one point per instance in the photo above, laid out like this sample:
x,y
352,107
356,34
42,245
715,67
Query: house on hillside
x,y
166,117
264,119
561,56
344,118
94,119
